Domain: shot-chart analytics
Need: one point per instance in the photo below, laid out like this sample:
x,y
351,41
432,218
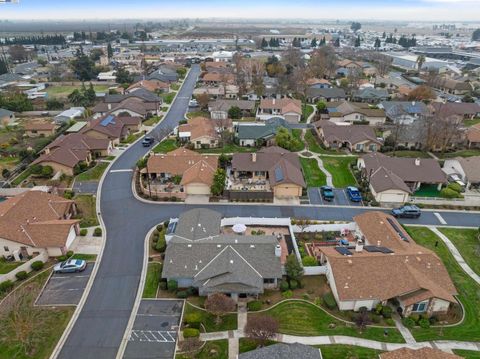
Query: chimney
x,y
273,101
278,250
254,157
417,161
359,246
109,106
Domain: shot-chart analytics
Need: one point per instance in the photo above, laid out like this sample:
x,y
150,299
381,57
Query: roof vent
x,y
189,245
417,161
251,245
219,245
231,261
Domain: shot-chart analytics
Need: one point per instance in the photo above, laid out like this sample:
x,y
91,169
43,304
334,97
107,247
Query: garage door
x,y
197,188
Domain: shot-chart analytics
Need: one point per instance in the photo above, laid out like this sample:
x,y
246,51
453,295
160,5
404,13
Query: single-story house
x,y
215,78
355,112
404,112
7,118
198,255
283,351
219,109
164,74
463,109
113,128
319,83
392,179
149,85
200,132
286,108
36,129
467,168
69,115
33,222
422,353
250,134
327,94
386,266
371,95
473,136
454,87
136,103
356,138
107,76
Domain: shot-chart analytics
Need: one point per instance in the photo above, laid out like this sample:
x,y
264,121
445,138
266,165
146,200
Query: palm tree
x,y
420,61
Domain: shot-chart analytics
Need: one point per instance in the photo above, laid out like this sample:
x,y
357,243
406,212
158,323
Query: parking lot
x,y
154,332
65,288
341,198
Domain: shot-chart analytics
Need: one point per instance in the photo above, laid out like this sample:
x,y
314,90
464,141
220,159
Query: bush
x,y
424,323
172,285
287,294
329,300
387,312
21,275
163,285
97,232
293,284
37,265
61,258
193,320
390,322
68,194
69,253
254,306
192,291
6,286
408,322
376,318
161,244
378,308
309,261
455,186
433,320
284,286
83,232
449,193
182,294
191,333
415,317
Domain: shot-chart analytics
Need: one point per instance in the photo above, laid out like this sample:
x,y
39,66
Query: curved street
x,y
101,324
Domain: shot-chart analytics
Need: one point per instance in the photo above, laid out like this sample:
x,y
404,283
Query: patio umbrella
x,y
239,228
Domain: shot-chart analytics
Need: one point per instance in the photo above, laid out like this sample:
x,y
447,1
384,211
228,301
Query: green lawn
x,y
305,319
198,114
312,174
152,280
467,243
166,146
153,120
339,167
468,289
168,97
8,162
413,154
64,91
469,123
215,349
6,267
85,257
86,206
229,148
22,177
297,134
467,354
307,110
461,153
247,345
229,321
335,351
427,190
131,138
175,86
314,146
93,174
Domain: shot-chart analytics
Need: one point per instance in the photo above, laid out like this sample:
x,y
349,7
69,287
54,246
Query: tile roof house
x,y
113,128
198,254
451,86
34,222
422,353
466,110
356,138
393,179
283,351
355,112
219,109
286,108
164,74
215,78
39,128
318,83
149,85
386,265
200,132
327,94
271,169
473,136
467,168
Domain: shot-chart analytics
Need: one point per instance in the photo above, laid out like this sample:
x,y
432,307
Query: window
x,y
5,248
420,307
269,280
373,147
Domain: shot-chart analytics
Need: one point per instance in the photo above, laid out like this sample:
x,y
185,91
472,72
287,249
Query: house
x,y
7,118
463,109
393,179
155,86
422,353
200,132
354,112
113,128
219,109
473,136
371,95
182,171
326,94
215,78
222,56
107,76
404,112
286,108
164,74
69,115
272,169
138,103
250,134
34,222
220,67
68,151
451,86
283,351
356,138
466,168
39,129
318,83
199,255
386,266
212,92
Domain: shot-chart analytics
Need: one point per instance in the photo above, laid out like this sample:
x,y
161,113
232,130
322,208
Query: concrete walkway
x,y
407,336
328,175
233,344
456,254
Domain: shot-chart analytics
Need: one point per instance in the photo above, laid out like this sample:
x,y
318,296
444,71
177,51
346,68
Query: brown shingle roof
x,y
473,133
149,85
284,105
199,127
352,134
115,129
423,353
471,166
39,126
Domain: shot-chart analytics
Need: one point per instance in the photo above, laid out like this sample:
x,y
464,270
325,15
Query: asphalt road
x,y
101,325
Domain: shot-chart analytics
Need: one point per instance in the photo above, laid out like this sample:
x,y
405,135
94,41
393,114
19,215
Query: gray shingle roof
x,y
4,112
198,223
283,351
333,92
264,130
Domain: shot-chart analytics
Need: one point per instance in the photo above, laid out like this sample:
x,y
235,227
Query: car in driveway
x,y
327,193
408,211
354,194
70,266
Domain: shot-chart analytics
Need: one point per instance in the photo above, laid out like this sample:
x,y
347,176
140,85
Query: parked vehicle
x,y
354,194
327,193
70,266
408,211
147,141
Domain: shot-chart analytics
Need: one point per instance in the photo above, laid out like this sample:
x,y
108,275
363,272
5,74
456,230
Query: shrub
x,y
293,284
309,261
37,265
97,232
192,291
329,300
193,318
6,286
376,318
182,294
172,285
191,333
415,317
433,319
408,322
387,312
69,253
449,193
161,244
378,308
61,258
455,186
255,305
163,285
390,322
21,275
424,323
83,232
68,194
284,286
287,294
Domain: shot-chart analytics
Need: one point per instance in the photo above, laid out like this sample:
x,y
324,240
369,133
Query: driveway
x,y
89,187
341,198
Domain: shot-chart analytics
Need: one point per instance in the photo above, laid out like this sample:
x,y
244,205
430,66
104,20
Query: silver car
x,y
70,266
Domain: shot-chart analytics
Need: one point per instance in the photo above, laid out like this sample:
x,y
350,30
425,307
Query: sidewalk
x,y
409,339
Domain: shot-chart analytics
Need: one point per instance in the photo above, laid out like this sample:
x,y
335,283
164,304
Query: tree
x,y
314,42
422,93
264,43
321,107
336,43
83,66
476,35
357,41
18,53
285,139
293,269
355,26
54,104
76,97
219,304
17,102
362,319
109,51
261,328
3,66
95,54
377,43
322,62
383,64
5,173
203,99
218,184
234,112
123,76
420,61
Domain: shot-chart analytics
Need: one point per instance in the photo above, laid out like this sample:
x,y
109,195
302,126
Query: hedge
x,y
97,232
191,333
6,286
329,300
21,275
37,265
254,306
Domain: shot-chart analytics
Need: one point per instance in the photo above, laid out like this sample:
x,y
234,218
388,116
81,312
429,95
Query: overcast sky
x,y
446,10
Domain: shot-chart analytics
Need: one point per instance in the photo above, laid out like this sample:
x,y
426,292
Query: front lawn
x,y
467,354
228,148
306,319
65,90
229,321
93,174
215,349
469,123
6,267
335,351
297,134
166,146
314,146
427,190
339,167
311,172
247,345
131,138
86,207
461,153
468,289
153,120
406,153
168,97
22,177
152,280
467,243
307,110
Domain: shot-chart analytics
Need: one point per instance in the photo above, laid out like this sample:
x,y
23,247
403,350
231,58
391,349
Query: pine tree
x,y
264,43
109,51
3,66
377,43
337,42
384,35
314,42
357,41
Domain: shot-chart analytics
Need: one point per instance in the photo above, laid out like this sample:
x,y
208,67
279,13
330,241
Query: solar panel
x,y
107,120
343,251
371,249
278,174
399,232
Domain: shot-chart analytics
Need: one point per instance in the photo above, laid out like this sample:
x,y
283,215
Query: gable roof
x,y
471,167
264,129
422,353
283,351
344,108
371,93
352,134
473,133
198,223
4,112
395,108
285,105
225,105
199,127
332,92
114,127
457,108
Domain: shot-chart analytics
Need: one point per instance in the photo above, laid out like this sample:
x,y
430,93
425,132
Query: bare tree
x,y
293,57
219,304
203,99
362,319
383,63
323,62
261,328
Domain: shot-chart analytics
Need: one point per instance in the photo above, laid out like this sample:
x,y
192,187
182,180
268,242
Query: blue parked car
x,y
354,194
70,266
